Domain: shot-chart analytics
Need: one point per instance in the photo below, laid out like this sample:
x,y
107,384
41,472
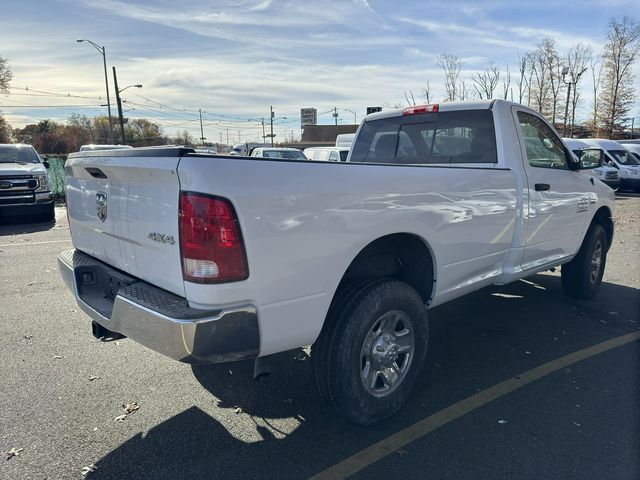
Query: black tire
x,y
49,214
341,356
582,276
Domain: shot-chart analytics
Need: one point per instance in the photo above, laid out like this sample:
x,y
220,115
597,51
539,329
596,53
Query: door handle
x,y
541,187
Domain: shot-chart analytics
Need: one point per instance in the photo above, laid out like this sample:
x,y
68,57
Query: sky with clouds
x,y
235,58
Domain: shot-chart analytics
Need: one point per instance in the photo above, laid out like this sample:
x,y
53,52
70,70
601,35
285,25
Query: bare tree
x,y
617,96
551,59
411,101
5,75
523,64
506,84
427,92
539,83
485,82
596,72
577,61
451,65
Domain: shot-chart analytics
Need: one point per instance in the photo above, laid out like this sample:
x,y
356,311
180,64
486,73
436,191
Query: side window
x,y
591,158
544,148
444,138
333,157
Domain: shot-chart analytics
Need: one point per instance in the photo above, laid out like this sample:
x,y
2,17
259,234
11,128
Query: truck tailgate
x,y
123,210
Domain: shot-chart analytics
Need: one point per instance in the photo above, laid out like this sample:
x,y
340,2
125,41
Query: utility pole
x,y
335,115
271,133
119,102
202,137
263,134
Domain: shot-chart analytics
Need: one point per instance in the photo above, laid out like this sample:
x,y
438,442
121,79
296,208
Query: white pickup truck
x,y
209,258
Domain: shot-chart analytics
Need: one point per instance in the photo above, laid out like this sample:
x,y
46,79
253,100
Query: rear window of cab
x,y
433,138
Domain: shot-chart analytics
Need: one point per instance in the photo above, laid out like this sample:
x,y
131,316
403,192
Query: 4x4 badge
x,y
101,205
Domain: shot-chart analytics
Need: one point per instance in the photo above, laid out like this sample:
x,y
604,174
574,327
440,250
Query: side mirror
x,y
45,163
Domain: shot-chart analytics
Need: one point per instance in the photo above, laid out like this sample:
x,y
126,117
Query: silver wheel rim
x,y
387,353
596,262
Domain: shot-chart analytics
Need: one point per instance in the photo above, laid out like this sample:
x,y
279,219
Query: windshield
x,y
288,154
15,154
623,157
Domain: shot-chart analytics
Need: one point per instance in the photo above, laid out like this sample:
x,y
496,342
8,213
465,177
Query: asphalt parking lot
x,y
503,395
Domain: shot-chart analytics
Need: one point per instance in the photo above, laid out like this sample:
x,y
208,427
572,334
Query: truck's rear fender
x,y
404,256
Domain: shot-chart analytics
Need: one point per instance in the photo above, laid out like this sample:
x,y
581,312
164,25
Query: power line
x,y
51,106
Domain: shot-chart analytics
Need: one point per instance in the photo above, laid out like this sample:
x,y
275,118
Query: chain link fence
x,y
56,174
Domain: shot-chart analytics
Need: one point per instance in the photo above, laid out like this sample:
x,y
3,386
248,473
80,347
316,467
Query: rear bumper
x,y
158,319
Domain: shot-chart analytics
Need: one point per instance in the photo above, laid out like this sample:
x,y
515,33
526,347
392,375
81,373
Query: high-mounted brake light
x,y
417,109
210,240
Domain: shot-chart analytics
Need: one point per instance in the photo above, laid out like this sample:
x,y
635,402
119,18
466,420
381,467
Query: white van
x,y
345,139
619,157
594,155
327,154
632,147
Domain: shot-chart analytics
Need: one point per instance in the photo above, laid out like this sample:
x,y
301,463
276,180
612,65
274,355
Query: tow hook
x,y
104,334
261,368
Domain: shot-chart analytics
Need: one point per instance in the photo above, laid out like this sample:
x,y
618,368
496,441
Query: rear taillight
x,y
210,240
418,109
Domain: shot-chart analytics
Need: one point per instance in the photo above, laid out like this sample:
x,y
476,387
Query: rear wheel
x,y
582,276
370,354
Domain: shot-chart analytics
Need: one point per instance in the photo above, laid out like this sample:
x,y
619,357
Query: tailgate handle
x,y
95,172
541,187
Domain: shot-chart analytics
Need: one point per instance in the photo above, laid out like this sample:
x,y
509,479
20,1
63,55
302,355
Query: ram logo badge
x,y
101,205
161,238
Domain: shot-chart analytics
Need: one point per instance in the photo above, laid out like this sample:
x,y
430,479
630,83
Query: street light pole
x,y
106,82
355,118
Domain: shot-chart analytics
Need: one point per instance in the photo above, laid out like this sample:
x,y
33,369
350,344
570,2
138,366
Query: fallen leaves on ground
x,y
238,410
14,452
129,408
93,377
88,469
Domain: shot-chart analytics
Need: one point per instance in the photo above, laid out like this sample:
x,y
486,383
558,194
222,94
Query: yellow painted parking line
x,y
404,437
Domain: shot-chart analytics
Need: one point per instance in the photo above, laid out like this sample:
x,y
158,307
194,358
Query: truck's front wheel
x,y
372,351
582,276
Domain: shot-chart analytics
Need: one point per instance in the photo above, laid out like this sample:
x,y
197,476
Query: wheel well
x,y
402,256
603,217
